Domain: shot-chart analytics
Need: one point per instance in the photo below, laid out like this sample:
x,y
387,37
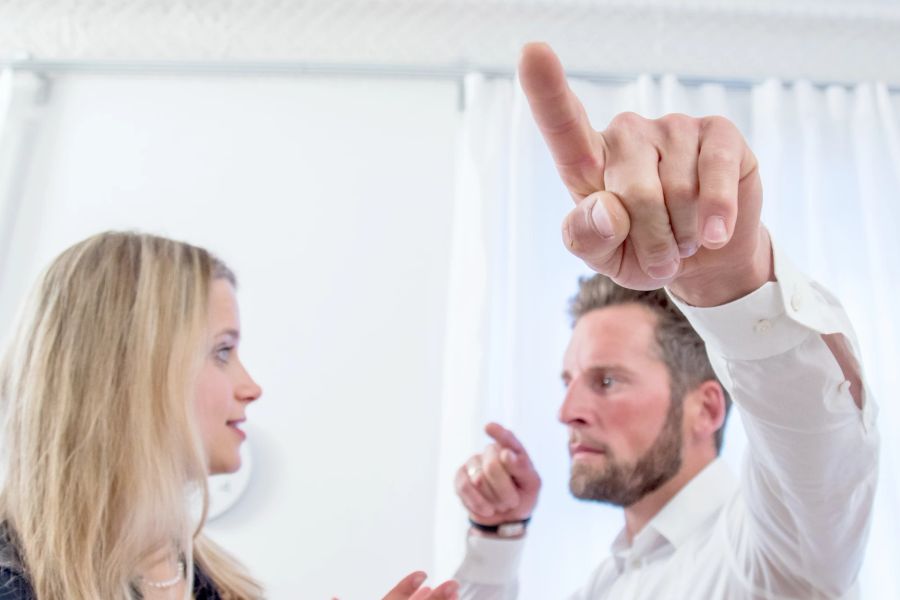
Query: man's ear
x,y
704,408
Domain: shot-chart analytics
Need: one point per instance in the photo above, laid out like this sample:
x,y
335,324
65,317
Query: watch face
x,y
226,490
511,529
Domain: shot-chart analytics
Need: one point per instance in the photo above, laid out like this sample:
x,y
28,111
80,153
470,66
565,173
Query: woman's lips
x,y
235,426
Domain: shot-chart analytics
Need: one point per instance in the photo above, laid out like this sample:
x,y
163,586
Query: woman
x,y
121,393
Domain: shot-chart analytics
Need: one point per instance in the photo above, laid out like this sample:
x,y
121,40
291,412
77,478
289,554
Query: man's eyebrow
x,y
603,368
609,368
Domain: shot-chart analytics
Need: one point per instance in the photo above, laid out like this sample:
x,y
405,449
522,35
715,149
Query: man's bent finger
x,y
719,166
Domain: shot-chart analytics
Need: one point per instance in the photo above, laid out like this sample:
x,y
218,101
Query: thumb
x,y
595,229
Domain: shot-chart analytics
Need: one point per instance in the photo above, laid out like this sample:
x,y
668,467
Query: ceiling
x,y
822,40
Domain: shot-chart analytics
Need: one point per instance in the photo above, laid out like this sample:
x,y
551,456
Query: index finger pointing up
x,y
562,120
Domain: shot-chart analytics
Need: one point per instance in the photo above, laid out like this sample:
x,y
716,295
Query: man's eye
x,y
603,383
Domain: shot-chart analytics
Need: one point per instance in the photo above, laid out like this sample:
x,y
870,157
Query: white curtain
x,y
22,98
6,97
831,170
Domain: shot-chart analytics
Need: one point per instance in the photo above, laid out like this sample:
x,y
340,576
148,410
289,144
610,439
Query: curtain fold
x,y
6,96
475,289
830,162
21,99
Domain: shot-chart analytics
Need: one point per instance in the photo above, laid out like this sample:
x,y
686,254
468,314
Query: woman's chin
x,y
224,467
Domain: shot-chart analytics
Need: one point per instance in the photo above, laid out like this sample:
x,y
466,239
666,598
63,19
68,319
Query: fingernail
x,y
687,250
715,231
665,271
419,579
602,222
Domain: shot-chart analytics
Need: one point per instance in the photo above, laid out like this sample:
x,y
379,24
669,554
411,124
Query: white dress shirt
x,y
795,526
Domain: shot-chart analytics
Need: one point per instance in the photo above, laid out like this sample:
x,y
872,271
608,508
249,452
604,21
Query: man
x,y
675,203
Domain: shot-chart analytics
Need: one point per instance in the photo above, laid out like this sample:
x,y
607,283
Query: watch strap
x,y
503,530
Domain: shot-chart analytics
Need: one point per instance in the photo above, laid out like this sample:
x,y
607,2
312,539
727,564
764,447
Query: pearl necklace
x,y
166,583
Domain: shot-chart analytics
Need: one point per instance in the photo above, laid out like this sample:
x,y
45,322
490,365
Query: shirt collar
x,y
694,504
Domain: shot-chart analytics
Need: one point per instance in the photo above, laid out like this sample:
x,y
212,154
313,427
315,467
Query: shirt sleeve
x,y
490,568
810,472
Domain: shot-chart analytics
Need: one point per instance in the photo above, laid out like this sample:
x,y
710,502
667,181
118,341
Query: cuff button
x,y
762,326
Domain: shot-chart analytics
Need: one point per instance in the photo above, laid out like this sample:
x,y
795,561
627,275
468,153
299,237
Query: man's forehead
x,y
611,332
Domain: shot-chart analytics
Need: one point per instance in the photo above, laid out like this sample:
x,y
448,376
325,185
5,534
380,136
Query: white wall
x,y
331,200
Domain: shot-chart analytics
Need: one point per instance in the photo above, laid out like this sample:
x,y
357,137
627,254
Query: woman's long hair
x,y
100,451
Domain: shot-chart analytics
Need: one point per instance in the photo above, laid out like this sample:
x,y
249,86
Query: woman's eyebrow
x,y
230,332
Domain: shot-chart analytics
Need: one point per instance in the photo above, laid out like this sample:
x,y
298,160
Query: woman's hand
x,y
411,588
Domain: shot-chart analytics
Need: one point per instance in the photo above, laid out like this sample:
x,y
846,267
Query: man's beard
x,y
623,484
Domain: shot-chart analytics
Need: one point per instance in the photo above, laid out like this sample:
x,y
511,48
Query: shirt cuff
x,y
769,321
491,561
750,328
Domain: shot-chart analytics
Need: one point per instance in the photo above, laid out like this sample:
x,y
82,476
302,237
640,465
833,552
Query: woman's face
x,y
224,388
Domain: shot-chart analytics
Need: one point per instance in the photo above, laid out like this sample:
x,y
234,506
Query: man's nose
x,y
575,407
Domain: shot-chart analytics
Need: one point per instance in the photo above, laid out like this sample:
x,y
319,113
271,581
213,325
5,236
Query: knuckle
x,y
627,120
717,122
684,225
719,156
716,202
687,238
509,494
641,195
680,190
494,469
655,251
677,125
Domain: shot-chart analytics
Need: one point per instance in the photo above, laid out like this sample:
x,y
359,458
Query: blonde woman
x,y
121,392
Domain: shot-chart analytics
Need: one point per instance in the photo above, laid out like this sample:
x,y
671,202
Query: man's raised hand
x,y
673,201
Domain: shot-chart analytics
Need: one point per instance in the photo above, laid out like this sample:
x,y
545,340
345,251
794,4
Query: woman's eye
x,y
224,353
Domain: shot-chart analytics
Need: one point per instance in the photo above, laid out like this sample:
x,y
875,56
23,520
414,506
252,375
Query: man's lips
x,y
584,450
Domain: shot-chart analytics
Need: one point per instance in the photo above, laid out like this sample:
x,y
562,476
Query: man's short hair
x,y
680,347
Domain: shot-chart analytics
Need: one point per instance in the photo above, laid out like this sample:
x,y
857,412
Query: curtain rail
x,y
276,68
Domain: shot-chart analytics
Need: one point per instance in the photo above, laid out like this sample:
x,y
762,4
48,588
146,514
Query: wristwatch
x,y
503,530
